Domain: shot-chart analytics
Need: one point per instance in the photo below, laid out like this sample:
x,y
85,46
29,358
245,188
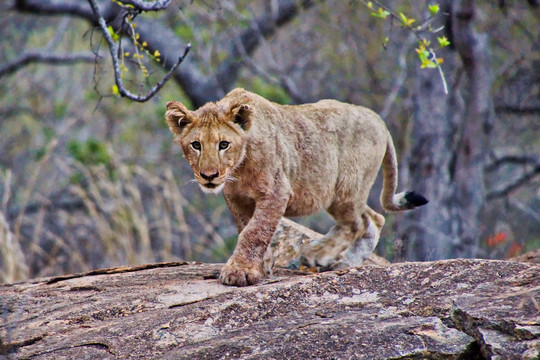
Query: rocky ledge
x,y
451,309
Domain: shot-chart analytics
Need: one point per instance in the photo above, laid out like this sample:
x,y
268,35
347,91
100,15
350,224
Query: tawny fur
x,y
291,161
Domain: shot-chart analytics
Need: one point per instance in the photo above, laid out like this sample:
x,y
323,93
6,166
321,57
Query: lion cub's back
x,y
334,143
345,124
333,115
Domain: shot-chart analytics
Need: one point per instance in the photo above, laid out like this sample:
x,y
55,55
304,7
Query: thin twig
x,y
398,83
525,209
113,49
417,35
281,80
278,77
60,30
439,67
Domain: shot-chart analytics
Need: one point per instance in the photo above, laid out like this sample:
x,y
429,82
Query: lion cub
x,y
275,160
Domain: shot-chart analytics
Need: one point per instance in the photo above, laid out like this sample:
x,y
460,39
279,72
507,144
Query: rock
x,y
531,256
453,309
507,322
284,250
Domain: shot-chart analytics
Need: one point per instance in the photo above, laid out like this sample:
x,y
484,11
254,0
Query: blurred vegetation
x,y
90,180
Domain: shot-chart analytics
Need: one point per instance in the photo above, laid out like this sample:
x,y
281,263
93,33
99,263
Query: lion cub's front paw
x,y
236,274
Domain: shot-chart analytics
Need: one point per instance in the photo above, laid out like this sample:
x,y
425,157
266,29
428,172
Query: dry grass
x,y
110,215
12,261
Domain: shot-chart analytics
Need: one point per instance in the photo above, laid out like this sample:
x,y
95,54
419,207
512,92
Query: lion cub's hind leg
x,y
351,225
364,246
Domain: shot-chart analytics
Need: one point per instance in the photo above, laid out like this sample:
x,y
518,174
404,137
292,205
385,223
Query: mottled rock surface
x,y
531,256
452,309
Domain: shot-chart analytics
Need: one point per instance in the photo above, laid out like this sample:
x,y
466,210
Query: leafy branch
x,y
426,53
111,38
144,5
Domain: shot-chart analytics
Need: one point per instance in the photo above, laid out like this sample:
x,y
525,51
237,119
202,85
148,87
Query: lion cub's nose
x,y
209,175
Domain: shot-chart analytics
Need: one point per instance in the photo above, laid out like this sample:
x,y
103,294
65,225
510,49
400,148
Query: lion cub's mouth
x,y
211,187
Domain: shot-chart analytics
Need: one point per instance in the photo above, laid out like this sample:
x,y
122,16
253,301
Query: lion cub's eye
x,y
196,145
223,145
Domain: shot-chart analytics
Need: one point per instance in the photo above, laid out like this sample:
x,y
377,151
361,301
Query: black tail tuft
x,y
415,199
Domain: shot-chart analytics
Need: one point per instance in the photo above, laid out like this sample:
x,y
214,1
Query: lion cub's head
x,y
212,139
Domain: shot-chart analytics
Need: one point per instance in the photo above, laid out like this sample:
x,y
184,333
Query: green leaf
x,y
381,13
112,33
405,20
443,41
428,64
115,90
433,9
423,55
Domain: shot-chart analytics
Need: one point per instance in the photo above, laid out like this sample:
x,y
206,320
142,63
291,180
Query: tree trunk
x,y
473,147
426,230
450,146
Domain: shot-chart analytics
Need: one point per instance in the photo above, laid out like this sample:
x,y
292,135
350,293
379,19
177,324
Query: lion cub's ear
x,y
241,115
177,116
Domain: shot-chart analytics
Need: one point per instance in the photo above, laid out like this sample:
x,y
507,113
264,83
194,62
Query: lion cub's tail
x,y
389,199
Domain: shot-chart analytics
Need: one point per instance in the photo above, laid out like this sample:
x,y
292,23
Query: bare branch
x,y
522,180
43,57
518,110
259,29
52,7
280,79
198,86
511,159
113,49
143,5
